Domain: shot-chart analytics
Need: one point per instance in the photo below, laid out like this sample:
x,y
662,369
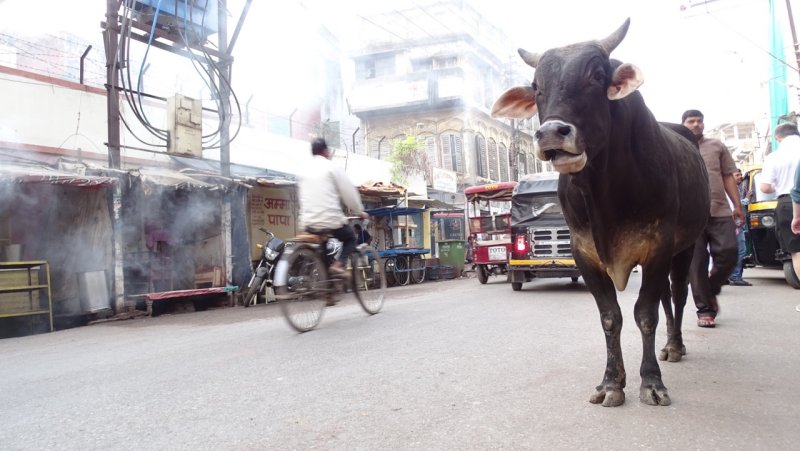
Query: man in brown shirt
x,y
718,240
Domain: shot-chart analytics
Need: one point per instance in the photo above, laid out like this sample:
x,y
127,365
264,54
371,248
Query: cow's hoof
x,y
672,354
608,397
654,396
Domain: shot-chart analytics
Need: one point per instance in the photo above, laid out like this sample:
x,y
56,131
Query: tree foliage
x,y
408,157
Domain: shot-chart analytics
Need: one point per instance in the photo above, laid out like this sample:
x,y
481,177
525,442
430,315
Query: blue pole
x,y
778,95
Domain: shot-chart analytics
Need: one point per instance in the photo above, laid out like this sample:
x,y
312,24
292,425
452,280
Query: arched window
x,y
429,143
452,152
480,153
503,162
494,165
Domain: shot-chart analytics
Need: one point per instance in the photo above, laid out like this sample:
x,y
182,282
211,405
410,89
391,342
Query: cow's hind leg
x,y
666,303
675,349
654,278
610,392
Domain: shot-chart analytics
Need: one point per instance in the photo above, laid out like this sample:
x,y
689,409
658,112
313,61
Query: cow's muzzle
x,y
556,142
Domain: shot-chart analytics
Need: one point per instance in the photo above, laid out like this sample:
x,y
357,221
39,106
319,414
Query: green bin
x,y
451,252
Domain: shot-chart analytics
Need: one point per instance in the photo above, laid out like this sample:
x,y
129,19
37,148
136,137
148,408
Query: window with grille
x,y
503,163
452,152
494,164
430,151
480,151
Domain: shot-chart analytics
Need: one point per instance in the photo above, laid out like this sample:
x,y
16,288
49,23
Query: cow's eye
x,y
599,75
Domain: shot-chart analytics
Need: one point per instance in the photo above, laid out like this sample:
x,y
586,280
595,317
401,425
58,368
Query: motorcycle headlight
x,y
768,221
271,254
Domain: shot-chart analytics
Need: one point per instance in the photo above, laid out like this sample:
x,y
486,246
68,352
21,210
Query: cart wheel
x,y
417,269
483,276
402,271
791,277
516,286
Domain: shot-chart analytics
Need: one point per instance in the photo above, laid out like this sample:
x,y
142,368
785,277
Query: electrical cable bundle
x,y
206,67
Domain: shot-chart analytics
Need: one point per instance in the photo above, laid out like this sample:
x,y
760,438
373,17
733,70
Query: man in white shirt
x,y
777,174
778,178
324,188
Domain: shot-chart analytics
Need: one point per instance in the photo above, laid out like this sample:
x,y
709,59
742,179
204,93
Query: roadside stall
x,y
56,246
173,241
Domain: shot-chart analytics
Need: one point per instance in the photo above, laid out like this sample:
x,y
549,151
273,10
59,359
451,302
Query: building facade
x,y
434,73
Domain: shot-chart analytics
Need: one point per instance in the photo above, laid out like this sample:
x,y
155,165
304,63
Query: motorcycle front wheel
x,y
252,292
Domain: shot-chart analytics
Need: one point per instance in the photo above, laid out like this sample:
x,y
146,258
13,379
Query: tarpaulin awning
x,y
160,177
43,174
492,191
237,170
381,189
430,204
394,211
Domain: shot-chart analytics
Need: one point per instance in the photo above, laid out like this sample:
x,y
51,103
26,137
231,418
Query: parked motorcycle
x,y
271,252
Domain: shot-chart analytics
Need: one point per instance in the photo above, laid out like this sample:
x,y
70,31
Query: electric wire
x,y
212,87
222,105
137,109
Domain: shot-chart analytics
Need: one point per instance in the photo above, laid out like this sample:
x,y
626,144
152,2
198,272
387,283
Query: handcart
x,y
403,263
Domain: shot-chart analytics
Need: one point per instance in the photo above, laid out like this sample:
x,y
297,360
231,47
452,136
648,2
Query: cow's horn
x,y
531,59
613,40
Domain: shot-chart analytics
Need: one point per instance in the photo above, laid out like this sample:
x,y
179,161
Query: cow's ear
x,y
626,79
516,103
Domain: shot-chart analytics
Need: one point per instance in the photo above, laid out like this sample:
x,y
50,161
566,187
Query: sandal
x,y
705,321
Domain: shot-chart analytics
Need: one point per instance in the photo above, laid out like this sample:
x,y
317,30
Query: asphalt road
x,y
445,365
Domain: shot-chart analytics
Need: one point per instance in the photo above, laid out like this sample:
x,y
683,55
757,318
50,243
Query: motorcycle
x,y
262,277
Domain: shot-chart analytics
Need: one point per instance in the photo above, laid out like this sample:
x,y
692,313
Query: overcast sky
x,y
706,55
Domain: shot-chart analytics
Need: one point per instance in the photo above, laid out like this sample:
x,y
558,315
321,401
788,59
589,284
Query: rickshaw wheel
x,y
791,277
516,286
483,276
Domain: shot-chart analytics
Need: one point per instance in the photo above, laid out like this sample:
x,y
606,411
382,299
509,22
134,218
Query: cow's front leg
x,y
609,392
652,391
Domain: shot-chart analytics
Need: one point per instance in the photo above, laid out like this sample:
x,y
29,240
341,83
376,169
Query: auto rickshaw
x,y
490,230
763,246
541,244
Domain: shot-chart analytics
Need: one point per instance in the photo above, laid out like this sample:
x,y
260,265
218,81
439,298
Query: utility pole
x,y
111,39
224,89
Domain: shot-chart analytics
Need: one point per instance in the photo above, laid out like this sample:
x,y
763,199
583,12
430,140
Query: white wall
x,y
42,114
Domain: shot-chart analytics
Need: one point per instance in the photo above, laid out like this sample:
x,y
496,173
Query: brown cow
x,y
633,192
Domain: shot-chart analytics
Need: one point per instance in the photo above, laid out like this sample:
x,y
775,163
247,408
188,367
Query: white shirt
x,y
779,166
323,188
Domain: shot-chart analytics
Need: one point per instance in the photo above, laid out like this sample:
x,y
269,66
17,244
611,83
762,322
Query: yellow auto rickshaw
x,y
763,246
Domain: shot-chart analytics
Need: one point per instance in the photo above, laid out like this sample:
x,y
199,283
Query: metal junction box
x,y
185,125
